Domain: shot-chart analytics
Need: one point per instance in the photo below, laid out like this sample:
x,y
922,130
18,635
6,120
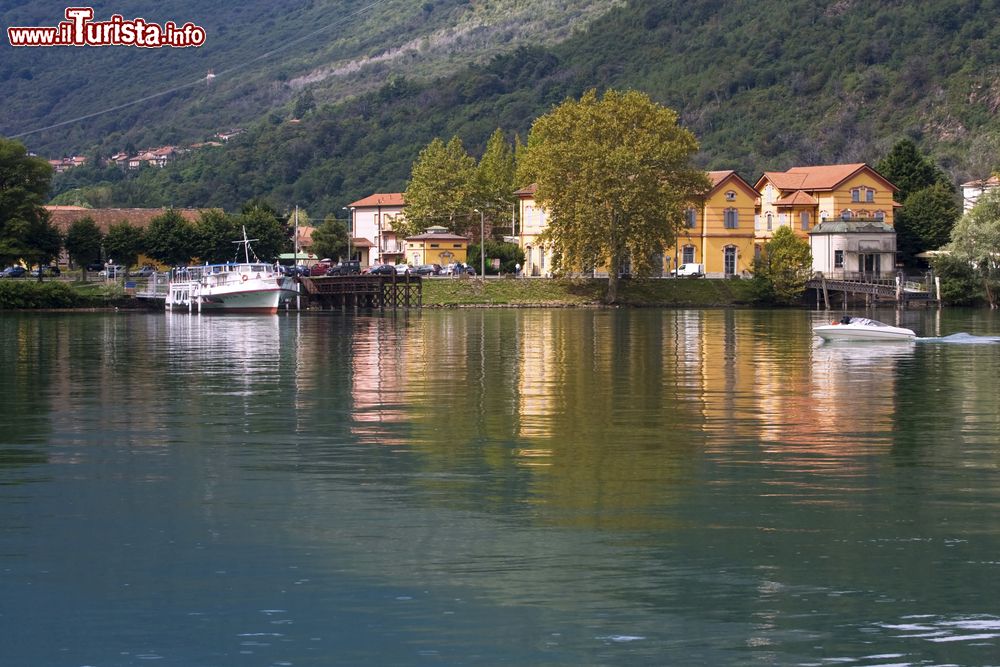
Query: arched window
x,y
729,260
690,217
731,195
846,214
769,221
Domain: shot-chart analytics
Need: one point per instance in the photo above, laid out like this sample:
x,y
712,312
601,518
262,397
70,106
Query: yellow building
x,y
802,197
436,246
534,220
718,229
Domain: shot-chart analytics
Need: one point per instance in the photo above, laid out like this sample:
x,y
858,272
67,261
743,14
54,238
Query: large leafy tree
x,y
495,173
781,272
262,224
25,229
83,242
215,232
614,173
170,238
930,204
926,220
975,241
330,238
443,190
123,243
909,169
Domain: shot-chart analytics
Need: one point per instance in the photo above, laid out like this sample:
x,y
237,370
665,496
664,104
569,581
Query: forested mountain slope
x,y
764,85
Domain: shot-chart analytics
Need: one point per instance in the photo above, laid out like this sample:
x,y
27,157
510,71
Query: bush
x,y
960,286
29,294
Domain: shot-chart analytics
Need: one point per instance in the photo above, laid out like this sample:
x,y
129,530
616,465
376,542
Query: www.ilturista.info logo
x,y
79,29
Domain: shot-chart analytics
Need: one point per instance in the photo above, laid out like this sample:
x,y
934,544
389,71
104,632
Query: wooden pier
x,y
874,288
363,291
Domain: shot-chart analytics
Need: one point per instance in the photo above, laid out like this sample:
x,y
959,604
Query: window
x,y
880,215
541,258
435,245
869,195
457,245
846,214
856,195
729,260
687,256
804,217
731,195
690,217
769,222
731,218
838,259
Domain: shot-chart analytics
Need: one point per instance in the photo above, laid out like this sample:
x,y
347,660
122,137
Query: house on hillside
x,y
973,190
373,236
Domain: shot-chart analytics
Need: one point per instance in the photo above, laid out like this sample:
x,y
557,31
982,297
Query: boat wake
x,y
962,339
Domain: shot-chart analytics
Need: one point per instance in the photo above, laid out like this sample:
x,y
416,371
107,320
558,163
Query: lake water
x,y
485,487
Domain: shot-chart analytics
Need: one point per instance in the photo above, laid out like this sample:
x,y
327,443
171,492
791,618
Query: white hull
x,y
863,330
233,288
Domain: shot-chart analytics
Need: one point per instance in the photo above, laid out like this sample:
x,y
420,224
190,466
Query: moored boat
x,y
238,287
862,328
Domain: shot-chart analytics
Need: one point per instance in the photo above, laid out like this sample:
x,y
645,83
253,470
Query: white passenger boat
x,y
235,287
862,328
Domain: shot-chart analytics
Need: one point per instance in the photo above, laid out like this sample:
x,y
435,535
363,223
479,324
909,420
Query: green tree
x,y
910,170
926,220
170,238
123,243
615,174
509,254
26,232
263,226
495,174
215,231
781,272
442,190
975,241
83,242
330,238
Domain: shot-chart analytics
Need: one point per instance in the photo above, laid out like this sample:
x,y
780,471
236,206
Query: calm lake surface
x,y
529,487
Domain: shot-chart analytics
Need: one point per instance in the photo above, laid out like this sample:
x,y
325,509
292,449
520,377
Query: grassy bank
x,y
548,292
28,294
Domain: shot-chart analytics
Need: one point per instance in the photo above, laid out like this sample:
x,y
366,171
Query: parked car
x,y
458,269
321,268
689,271
95,266
113,271
427,270
146,271
402,269
14,272
46,271
346,268
382,270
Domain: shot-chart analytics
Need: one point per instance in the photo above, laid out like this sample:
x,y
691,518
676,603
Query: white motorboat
x,y
862,328
240,287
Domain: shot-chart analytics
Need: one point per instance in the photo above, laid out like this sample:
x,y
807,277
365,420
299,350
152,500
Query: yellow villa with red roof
x,y
845,211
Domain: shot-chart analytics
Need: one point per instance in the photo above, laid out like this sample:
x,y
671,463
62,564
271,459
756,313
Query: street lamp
x,y
482,243
350,231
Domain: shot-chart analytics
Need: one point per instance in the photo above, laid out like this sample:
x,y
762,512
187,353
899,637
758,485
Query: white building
x,y
972,190
846,248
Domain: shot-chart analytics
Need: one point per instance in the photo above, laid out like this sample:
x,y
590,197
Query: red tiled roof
x,y
529,191
380,199
64,216
718,178
992,181
822,177
443,236
797,198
